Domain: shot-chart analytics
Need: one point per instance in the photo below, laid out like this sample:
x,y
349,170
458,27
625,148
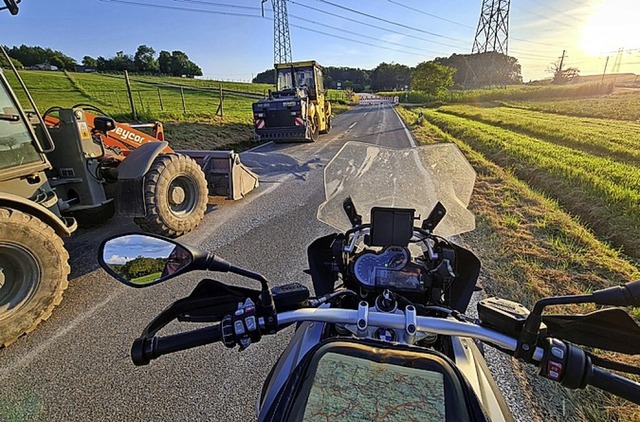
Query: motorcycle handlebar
x,y
615,384
144,349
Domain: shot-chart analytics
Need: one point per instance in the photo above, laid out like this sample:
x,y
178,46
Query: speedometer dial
x,y
392,258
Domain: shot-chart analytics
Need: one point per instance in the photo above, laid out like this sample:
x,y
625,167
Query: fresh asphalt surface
x,y
76,365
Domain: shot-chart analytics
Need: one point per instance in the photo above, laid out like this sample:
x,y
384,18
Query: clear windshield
x,y
301,77
16,141
417,178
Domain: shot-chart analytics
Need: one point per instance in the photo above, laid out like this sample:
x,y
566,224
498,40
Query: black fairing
x,y
467,271
321,257
607,329
211,300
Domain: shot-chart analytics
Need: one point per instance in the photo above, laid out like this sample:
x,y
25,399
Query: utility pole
x,y
618,61
605,69
564,52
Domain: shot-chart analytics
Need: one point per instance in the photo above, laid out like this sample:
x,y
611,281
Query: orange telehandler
x,y
101,167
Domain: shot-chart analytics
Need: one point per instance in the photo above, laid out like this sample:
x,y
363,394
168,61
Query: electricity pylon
x,y
493,27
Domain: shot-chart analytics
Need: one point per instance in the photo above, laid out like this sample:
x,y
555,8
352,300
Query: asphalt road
x,y
76,365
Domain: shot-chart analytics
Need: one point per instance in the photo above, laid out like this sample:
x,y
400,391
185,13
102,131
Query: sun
x,y
613,24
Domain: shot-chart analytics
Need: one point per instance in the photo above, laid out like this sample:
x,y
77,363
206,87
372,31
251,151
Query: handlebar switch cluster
x,y
554,361
242,327
565,363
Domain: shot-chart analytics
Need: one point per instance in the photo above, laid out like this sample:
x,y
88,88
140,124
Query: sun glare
x,y
613,24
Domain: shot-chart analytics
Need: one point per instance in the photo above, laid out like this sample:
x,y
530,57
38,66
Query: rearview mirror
x,y
104,124
141,260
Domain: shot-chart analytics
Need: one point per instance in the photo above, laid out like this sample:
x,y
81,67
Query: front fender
x,y
63,226
131,172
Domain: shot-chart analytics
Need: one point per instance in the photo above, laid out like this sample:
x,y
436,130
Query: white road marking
x,y
352,125
406,130
34,353
260,146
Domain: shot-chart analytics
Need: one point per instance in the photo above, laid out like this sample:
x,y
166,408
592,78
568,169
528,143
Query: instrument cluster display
x,y
391,269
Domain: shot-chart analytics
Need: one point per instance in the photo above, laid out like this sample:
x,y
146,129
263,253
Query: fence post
x,y
133,106
220,110
184,106
160,99
140,98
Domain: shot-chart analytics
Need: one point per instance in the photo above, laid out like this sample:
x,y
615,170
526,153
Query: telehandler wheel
x,y
175,191
33,273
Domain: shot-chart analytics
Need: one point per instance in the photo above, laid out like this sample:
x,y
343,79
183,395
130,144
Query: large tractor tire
x,y
175,194
33,273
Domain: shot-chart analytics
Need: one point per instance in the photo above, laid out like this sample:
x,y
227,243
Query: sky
x,y
123,249
230,40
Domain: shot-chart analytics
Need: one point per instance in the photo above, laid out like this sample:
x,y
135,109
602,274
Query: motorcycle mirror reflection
x,y
142,260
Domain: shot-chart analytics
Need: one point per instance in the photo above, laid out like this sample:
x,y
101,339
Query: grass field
x,y
557,202
146,279
622,104
590,166
509,93
193,124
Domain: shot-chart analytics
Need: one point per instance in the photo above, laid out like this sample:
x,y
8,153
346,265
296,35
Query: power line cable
x,y
375,26
157,6
324,25
217,4
430,14
386,20
417,29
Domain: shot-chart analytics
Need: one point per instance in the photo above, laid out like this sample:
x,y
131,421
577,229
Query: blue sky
x,y
231,47
124,249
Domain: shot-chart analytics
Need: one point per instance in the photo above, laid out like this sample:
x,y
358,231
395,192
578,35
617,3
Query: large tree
x,y
164,62
144,60
357,79
182,66
432,77
390,76
483,69
562,75
266,77
122,62
4,64
30,56
89,61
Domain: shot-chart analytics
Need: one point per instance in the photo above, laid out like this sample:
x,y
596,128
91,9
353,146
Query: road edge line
x,y
406,129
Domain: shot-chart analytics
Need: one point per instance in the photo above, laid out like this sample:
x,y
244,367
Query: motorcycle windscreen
x,y
413,178
345,381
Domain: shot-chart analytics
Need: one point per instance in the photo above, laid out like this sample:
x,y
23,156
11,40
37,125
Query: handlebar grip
x,y
615,384
144,350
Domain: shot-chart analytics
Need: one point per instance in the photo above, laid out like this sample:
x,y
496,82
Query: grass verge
x,y
531,248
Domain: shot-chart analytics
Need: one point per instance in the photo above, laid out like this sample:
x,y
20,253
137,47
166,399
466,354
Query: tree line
x,y
458,70
139,267
175,63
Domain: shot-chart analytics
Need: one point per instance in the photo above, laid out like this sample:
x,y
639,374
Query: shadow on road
x,y
274,164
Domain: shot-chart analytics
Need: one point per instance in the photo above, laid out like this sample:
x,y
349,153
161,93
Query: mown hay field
x,y
557,204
